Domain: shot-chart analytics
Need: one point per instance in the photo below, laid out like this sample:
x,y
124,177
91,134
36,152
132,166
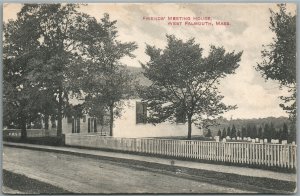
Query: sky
x,y
247,30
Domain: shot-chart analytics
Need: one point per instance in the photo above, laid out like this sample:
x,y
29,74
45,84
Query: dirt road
x,y
87,175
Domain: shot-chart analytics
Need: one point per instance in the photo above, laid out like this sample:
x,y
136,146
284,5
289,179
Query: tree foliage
x,y
184,80
279,57
224,133
285,132
244,132
233,132
239,133
107,81
22,99
46,39
208,134
220,133
52,53
260,132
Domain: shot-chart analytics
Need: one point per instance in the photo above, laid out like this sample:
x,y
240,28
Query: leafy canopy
x,y
185,82
106,80
279,57
42,45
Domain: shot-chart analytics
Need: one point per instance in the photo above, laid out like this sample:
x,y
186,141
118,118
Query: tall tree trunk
x,y
46,119
111,119
59,114
189,128
23,129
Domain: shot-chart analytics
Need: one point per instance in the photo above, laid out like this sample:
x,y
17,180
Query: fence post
x,y
279,155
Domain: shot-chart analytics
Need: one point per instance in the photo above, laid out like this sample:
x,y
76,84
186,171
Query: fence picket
x,y
234,152
288,158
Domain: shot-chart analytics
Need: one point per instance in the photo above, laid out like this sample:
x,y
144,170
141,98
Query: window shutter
x,y
144,112
141,112
95,125
89,125
73,126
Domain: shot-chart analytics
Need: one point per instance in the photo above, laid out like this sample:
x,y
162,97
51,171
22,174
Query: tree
x,y
248,131
254,132
220,133
233,132
244,132
208,134
21,97
292,134
53,35
267,132
19,109
285,132
260,132
228,131
272,131
279,57
224,133
239,133
184,80
108,81
277,134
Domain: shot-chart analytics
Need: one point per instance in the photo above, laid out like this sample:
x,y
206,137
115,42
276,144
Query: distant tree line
x,y
268,131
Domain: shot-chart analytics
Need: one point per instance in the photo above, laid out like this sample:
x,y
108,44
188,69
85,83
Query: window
x,y
53,122
92,125
84,118
95,125
73,126
141,112
76,125
89,125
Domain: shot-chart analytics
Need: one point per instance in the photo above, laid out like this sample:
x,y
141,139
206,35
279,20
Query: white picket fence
x,y
277,155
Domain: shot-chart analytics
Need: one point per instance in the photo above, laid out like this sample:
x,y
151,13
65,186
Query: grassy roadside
x,y
28,185
256,184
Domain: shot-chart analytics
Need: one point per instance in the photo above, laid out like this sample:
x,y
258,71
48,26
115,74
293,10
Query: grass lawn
x,y
28,185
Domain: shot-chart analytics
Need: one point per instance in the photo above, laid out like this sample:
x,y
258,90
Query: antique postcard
x,y
149,98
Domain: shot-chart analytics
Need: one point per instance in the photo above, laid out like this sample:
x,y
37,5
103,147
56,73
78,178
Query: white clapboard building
x,y
131,124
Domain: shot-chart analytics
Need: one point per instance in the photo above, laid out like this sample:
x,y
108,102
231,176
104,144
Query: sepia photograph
x,y
149,98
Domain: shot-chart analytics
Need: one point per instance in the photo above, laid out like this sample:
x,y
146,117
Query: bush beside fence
x,y
270,155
